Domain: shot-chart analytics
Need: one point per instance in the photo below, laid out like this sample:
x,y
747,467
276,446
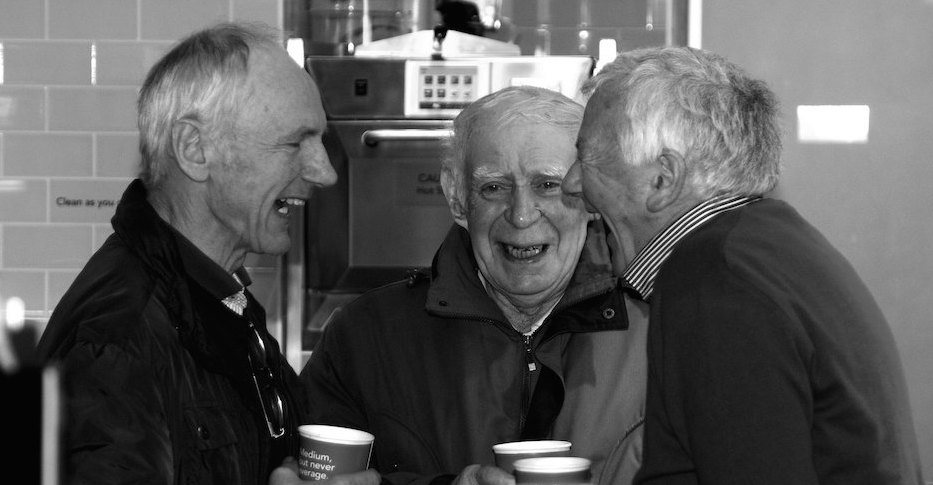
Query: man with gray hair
x,y
169,372
519,331
768,359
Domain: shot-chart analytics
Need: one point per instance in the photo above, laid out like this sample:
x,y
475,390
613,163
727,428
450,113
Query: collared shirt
x,y
643,270
223,286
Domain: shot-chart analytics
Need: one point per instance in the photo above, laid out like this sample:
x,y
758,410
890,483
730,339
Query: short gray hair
x,y
529,103
202,78
722,121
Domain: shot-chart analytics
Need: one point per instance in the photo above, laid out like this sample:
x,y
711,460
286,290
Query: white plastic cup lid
x,y
335,434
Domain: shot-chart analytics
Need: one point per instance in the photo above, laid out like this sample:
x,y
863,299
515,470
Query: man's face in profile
x,y
274,155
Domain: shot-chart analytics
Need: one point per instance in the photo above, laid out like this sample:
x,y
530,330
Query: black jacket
x,y
155,370
771,363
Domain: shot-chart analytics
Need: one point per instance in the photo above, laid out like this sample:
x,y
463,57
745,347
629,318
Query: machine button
x,y
428,93
429,79
361,87
441,93
467,79
454,79
441,79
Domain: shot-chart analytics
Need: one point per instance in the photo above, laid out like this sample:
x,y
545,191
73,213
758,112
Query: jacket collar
x,y
164,248
183,273
145,233
456,290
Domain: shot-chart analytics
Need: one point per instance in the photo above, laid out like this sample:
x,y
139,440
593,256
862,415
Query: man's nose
x,y
316,167
571,185
523,210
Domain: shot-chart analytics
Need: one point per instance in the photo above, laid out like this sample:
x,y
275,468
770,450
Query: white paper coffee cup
x,y
507,453
326,451
547,470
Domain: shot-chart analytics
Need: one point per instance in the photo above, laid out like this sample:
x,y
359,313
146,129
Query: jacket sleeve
x,y
329,382
115,427
331,377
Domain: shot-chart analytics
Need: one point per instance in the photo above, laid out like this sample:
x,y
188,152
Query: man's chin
x,y
529,286
277,247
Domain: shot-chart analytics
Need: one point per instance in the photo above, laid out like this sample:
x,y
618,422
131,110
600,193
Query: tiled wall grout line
x,y
45,303
48,207
94,171
46,20
46,115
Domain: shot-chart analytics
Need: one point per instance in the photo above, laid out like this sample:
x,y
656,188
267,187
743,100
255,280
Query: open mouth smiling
x,y
283,205
522,253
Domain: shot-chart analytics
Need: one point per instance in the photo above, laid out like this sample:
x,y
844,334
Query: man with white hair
x,y
769,362
170,375
519,331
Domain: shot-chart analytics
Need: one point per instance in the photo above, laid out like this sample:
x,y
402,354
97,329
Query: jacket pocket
x,y
210,453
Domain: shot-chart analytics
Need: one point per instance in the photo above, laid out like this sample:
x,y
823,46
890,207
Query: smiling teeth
x,y
288,201
524,252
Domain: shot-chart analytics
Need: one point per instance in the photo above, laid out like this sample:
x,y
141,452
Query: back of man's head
x,y
201,79
723,122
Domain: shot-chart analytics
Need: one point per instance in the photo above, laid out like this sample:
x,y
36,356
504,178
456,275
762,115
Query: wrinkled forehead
x,y
521,150
550,170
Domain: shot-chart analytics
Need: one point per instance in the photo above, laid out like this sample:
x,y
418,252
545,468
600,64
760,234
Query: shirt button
x,y
609,313
442,303
204,433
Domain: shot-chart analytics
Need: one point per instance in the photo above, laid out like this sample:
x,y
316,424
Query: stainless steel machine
x,y
388,118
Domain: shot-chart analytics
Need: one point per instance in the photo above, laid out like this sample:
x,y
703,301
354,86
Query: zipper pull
x,y
529,358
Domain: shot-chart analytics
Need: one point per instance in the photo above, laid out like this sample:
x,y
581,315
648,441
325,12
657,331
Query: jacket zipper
x,y
529,355
530,367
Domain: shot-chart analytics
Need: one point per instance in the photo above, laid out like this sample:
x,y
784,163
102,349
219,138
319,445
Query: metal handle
x,y
373,137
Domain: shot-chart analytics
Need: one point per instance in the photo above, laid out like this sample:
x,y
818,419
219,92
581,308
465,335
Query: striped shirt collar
x,y
643,270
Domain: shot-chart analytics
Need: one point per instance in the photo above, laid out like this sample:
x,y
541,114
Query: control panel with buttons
x,y
442,89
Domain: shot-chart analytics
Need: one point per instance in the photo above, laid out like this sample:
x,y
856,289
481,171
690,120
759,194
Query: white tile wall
x,y
46,154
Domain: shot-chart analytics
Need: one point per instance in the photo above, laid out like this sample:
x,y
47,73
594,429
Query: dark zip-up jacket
x,y
155,373
433,369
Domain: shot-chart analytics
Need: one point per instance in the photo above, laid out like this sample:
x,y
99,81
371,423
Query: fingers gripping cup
x,y
326,451
508,453
563,470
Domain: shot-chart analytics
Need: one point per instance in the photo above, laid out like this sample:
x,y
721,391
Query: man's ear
x,y
459,212
454,199
669,180
188,145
